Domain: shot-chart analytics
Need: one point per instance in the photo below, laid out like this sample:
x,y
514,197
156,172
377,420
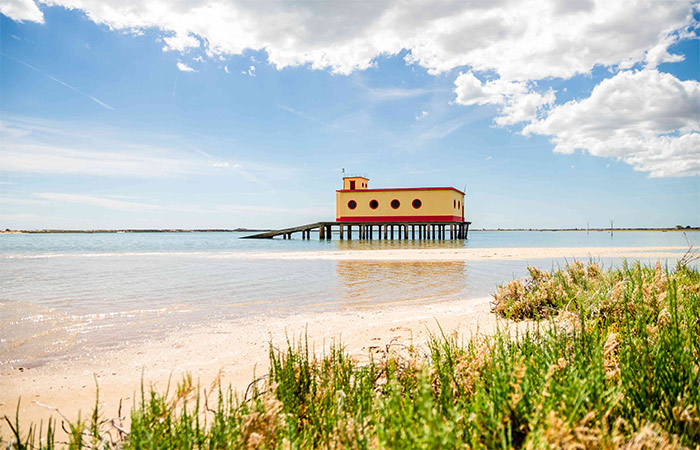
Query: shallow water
x,y
65,296
23,245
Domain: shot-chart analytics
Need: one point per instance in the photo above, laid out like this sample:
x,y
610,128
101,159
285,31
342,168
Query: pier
x,y
373,230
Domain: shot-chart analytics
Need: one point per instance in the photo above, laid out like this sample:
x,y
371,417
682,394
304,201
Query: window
x,y
374,204
416,203
454,203
459,205
395,204
352,204
352,185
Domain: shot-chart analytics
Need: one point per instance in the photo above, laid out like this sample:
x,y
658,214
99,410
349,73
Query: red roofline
x,y
402,189
364,178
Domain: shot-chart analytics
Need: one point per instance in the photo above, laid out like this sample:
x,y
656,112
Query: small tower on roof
x,y
355,183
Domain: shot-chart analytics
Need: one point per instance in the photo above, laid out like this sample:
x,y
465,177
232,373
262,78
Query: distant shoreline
x,y
587,229
164,230
252,230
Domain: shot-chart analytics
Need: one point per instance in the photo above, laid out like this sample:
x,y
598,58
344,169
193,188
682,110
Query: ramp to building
x,y
286,232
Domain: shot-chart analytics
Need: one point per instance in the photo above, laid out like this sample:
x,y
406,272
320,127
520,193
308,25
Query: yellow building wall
x,y
436,205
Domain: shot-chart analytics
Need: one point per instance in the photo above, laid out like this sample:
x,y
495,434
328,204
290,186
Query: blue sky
x,y
113,117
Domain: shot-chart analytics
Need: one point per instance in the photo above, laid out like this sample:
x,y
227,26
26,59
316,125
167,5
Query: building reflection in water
x,y
368,283
376,244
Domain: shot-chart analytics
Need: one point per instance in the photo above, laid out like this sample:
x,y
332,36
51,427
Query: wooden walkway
x,y
372,230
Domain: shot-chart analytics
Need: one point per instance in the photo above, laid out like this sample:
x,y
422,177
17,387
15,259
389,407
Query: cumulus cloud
x,y
182,67
21,10
646,118
518,100
519,40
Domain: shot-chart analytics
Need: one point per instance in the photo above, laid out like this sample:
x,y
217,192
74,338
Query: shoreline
x,y
234,351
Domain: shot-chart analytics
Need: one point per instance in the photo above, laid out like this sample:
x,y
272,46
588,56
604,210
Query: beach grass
x,y
609,359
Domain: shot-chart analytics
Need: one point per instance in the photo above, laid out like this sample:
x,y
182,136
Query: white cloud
x,y
226,69
21,10
184,67
519,40
31,158
226,165
250,72
422,115
180,42
659,53
646,118
518,101
394,93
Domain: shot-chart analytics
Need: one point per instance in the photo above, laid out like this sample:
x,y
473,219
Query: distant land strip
x,y
164,230
251,230
678,228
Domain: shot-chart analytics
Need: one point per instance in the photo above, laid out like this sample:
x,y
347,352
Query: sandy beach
x,y
234,351
237,350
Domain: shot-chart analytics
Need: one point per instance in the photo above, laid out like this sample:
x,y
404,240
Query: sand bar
x,y
404,254
474,254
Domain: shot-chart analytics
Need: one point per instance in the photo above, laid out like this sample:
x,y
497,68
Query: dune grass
x,y
610,360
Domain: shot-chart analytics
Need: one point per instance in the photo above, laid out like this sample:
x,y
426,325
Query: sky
x,y
225,114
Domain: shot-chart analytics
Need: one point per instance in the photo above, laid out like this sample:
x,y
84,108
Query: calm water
x,y
65,294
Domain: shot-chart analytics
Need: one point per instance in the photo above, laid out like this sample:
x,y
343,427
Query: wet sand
x,y
235,351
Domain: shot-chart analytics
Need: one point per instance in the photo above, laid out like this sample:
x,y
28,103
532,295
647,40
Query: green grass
x,y
610,360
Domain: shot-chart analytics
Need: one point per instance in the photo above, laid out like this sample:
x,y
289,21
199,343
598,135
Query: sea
x,y
62,294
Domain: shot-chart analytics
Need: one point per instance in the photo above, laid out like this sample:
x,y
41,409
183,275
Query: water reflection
x,y
376,244
382,282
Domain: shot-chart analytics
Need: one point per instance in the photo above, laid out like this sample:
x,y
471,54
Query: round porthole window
x,y
395,204
352,204
416,203
374,204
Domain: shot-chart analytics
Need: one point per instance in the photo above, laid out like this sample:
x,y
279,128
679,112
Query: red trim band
x,y
400,219
403,189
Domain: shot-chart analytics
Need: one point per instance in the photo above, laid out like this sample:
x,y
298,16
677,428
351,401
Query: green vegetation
x,y
611,361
